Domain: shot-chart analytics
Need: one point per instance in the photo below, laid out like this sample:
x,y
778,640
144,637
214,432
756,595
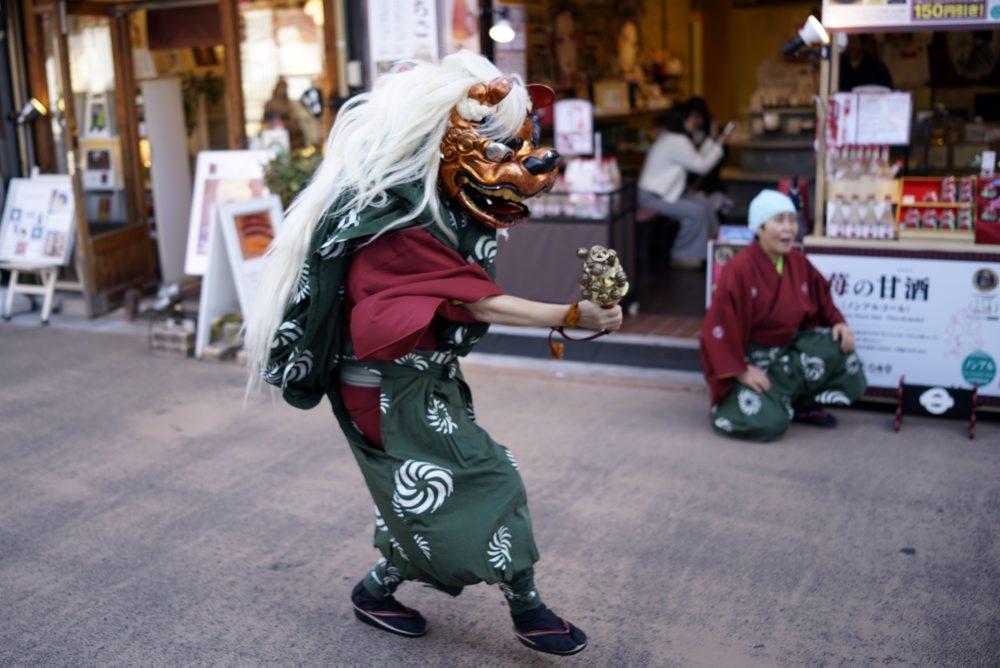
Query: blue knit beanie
x,y
767,204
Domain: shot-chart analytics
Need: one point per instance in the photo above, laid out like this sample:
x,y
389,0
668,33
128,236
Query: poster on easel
x,y
238,239
220,176
38,223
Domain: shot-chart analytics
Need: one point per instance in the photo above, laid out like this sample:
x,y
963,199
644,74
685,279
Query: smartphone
x,y
730,126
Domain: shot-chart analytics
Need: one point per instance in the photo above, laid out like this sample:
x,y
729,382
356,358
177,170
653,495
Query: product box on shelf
x,y
943,207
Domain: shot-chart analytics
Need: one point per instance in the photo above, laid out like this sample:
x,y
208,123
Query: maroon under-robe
x,y
398,287
753,303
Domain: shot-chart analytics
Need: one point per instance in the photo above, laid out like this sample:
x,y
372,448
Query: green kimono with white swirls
x,y
450,506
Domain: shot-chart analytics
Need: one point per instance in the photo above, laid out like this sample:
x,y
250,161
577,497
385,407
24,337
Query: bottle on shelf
x,y
838,220
886,221
869,222
854,218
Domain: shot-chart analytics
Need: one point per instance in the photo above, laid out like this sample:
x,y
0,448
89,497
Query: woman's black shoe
x,y
387,613
543,631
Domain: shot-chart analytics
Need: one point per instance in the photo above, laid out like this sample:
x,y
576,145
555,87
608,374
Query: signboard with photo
x,y
239,235
220,176
937,322
38,221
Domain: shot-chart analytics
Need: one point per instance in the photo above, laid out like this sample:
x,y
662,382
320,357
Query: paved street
x,y
145,520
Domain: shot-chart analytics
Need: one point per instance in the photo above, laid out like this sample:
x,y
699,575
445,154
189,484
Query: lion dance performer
x,y
379,280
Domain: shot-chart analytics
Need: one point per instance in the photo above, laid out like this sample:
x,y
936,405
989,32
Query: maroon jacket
x,y
753,303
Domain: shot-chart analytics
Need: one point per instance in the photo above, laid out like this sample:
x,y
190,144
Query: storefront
x,y
204,75
909,234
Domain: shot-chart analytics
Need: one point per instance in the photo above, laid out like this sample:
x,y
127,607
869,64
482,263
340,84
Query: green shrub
x,y
289,173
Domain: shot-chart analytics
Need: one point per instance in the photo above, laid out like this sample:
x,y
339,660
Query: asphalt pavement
x,y
147,519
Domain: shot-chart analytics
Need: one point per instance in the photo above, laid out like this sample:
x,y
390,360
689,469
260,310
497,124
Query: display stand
x,y
239,236
936,402
219,294
46,287
36,237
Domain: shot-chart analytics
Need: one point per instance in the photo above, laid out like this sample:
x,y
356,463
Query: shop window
x,y
283,71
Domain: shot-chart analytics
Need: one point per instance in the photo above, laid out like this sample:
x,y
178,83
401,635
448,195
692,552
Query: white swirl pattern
x,y
332,248
749,402
415,361
833,398
379,521
421,487
723,424
425,547
498,550
812,367
439,418
486,249
296,371
853,364
302,290
398,549
288,333
510,456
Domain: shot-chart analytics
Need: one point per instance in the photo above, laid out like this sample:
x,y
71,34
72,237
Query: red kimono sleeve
x,y
826,312
399,284
725,332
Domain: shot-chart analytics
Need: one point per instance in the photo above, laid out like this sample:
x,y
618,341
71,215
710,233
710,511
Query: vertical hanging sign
x,y
400,30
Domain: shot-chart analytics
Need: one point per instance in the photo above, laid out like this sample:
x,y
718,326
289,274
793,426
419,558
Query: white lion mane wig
x,y
381,139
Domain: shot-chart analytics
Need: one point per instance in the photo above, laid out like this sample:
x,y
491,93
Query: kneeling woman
x,y
774,348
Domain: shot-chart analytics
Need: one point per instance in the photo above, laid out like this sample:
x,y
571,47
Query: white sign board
x,y
38,222
221,176
238,238
937,322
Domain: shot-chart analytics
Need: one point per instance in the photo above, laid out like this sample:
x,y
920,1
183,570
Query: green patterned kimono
x,y
451,509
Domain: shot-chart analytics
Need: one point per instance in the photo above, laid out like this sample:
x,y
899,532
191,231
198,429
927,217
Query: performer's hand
x,y
755,378
843,333
598,318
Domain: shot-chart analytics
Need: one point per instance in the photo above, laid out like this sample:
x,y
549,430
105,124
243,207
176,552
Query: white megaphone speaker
x,y
812,34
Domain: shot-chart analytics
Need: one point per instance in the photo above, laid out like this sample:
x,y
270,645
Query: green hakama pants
x,y
811,371
451,508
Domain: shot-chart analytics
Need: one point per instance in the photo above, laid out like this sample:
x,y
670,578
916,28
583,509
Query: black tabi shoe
x,y
543,631
816,418
387,614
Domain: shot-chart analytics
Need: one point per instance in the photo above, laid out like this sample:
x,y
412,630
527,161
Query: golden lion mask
x,y
491,179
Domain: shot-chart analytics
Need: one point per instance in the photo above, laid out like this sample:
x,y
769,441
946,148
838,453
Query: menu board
x,y
870,119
